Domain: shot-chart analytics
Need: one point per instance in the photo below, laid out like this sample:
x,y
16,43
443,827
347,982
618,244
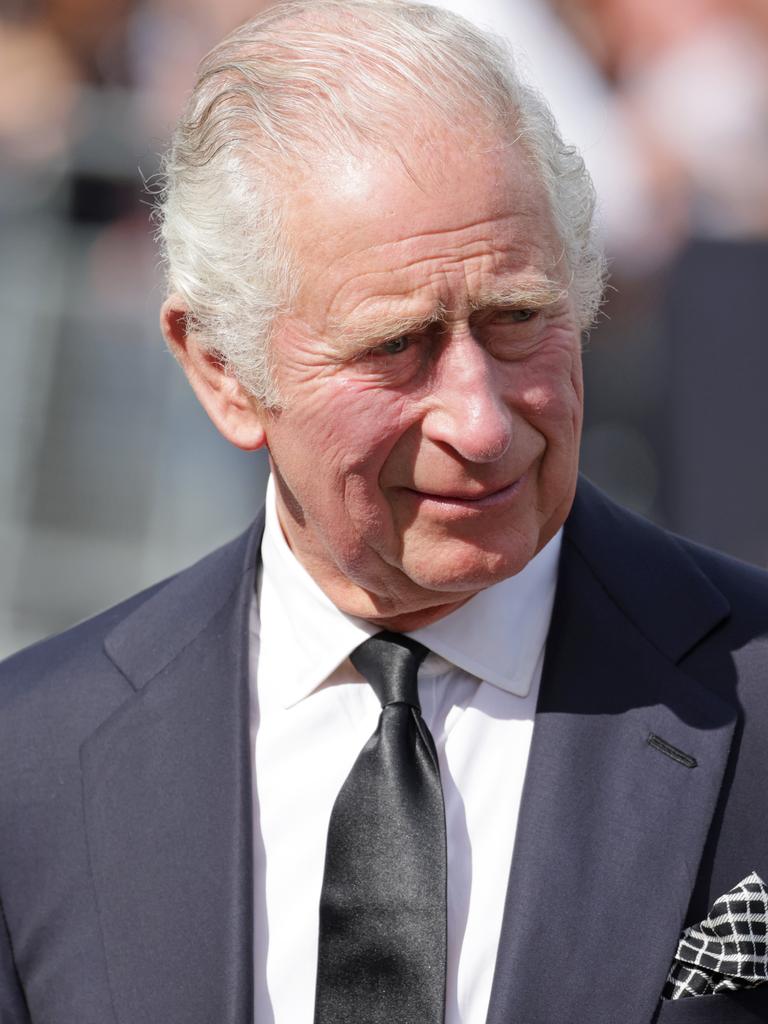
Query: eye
x,y
518,316
392,347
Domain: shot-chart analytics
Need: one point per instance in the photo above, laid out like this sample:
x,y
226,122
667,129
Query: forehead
x,y
423,229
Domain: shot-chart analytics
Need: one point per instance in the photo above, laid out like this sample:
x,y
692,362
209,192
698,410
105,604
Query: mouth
x,y
480,500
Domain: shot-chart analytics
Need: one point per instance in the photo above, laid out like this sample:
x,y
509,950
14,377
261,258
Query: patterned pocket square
x,y
726,951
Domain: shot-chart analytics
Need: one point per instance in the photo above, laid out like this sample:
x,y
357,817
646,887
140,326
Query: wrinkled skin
x,y
426,441
418,462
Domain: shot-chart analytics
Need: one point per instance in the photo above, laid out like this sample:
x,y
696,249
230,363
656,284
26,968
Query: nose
x,y
468,410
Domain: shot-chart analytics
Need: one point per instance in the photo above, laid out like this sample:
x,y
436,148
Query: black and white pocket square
x,y
728,950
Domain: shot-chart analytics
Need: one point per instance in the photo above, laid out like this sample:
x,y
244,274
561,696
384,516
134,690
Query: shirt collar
x,y
497,636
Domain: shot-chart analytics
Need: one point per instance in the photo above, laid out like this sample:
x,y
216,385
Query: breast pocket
x,y
745,1007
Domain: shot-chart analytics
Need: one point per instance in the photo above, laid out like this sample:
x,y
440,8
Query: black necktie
x,y
382,945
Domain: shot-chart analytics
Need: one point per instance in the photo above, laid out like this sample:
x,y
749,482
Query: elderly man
x,y
446,737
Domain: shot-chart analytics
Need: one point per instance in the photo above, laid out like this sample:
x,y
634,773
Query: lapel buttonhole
x,y
666,748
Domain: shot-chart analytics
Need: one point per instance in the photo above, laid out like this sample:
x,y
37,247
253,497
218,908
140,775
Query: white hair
x,y
330,77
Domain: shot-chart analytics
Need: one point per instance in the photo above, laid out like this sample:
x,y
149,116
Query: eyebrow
x,y
536,294
370,329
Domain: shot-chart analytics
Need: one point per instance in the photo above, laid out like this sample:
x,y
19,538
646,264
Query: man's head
x,y
381,260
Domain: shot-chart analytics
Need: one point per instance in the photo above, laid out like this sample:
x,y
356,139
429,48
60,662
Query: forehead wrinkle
x,y
509,257
481,222
426,233
536,285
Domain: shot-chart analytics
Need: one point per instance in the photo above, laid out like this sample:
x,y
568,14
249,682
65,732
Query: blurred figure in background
x,y
38,86
691,79
90,407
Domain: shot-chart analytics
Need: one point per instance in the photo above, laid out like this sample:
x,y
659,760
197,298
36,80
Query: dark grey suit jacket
x,y
125,810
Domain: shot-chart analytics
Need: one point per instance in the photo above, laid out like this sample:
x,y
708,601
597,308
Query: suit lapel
x,y
166,786
611,826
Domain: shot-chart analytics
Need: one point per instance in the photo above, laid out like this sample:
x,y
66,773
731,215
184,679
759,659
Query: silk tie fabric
x,y
382,948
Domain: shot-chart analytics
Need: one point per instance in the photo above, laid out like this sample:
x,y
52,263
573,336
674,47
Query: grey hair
x,y
334,76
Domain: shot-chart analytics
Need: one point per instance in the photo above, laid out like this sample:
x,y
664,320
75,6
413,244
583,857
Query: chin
x,y
465,571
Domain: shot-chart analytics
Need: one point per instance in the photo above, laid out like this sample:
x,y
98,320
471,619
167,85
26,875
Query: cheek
x,y
340,432
552,405
549,395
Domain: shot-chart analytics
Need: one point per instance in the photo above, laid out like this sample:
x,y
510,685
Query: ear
x,y
235,413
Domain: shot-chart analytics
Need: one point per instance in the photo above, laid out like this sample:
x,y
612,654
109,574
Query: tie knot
x,y
390,662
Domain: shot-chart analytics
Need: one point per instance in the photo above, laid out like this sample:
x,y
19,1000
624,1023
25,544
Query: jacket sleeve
x,y
13,1006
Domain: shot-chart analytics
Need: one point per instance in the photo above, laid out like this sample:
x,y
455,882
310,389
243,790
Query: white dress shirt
x,y
311,715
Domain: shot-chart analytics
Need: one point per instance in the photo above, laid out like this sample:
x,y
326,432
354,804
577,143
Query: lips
x,y
484,498
468,496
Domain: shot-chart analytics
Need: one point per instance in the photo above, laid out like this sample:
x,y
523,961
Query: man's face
x,y
426,444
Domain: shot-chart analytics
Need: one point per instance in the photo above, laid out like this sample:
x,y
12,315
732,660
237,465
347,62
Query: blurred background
x,y
111,476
